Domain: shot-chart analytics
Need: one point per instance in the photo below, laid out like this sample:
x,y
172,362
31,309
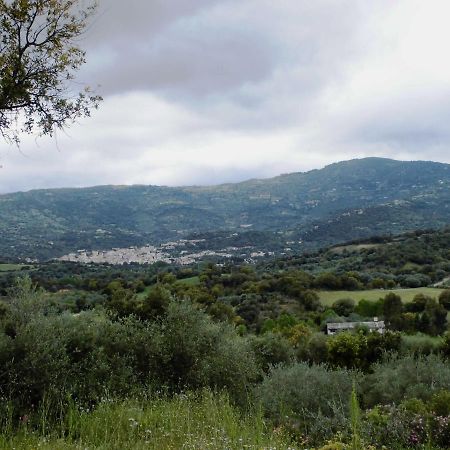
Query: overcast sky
x,y
212,91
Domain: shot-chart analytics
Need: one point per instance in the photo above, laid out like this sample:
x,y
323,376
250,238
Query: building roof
x,y
348,325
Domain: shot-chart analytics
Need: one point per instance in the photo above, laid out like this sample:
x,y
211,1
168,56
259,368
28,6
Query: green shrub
x,y
440,403
271,349
394,427
54,359
379,346
347,349
420,344
312,400
419,303
195,352
370,309
314,349
343,307
444,299
392,309
400,378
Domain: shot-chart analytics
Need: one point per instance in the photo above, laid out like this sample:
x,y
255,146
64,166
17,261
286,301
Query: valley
x,y
142,306
301,211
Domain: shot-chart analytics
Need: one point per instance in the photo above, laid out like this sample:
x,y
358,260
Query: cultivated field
x,y
12,267
329,297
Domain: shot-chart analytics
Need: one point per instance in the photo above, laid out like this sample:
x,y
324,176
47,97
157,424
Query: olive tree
x,y
39,54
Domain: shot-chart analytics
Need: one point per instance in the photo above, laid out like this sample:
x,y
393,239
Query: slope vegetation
x,y
347,200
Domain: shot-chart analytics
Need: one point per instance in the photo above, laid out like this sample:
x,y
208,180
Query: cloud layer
x,y
211,91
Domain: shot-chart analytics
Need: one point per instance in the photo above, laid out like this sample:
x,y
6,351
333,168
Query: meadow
x,y
12,267
327,298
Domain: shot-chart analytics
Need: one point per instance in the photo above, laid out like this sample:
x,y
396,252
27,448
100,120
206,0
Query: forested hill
x,y
414,259
346,200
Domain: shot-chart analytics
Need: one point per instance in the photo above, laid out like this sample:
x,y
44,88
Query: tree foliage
x,y
39,55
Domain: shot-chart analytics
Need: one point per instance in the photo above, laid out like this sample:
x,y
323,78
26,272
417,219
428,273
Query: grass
x,y
192,421
327,298
192,281
144,293
12,267
352,248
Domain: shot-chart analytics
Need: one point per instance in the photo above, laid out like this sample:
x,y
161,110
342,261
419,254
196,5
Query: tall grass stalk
x,y
355,418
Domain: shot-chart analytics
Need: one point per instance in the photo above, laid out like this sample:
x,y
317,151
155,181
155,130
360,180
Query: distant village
x,y
170,252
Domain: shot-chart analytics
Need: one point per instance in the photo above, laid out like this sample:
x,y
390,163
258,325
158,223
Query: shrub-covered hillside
x,y
358,198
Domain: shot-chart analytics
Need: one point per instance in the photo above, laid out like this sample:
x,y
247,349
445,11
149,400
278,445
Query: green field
x,y
192,281
352,248
329,297
12,267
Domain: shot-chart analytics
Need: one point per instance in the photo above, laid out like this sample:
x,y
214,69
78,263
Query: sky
x,y
212,91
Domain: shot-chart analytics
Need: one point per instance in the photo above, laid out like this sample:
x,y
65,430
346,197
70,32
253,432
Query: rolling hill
x,y
343,201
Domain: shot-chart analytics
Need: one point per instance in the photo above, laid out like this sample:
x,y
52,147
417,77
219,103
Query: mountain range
x,y
343,201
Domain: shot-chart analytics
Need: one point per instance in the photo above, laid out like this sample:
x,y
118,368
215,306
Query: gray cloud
x,y
418,122
118,22
218,47
207,91
192,65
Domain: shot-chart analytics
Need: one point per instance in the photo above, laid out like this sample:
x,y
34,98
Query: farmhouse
x,y
337,327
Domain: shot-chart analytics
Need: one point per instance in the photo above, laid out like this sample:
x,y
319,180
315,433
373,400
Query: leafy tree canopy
x,y
39,55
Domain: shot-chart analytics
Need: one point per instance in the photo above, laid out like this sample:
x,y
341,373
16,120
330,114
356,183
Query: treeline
x,y
411,260
247,296
415,259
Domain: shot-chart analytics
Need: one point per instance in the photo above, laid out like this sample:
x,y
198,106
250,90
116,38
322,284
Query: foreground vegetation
x,y
175,376
229,356
188,421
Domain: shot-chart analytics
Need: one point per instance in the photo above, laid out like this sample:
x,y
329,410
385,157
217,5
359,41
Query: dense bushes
x,y
54,361
406,402
46,356
310,400
343,307
413,423
421,344
352,350
195,352
444,299
406,377
272,349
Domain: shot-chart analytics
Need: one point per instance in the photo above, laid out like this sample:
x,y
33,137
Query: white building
x,y
337,327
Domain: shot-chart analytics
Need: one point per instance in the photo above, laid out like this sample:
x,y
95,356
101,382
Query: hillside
x,y
347,200
420,258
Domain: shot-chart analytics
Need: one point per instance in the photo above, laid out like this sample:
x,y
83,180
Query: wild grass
x,y
193,421
186,421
